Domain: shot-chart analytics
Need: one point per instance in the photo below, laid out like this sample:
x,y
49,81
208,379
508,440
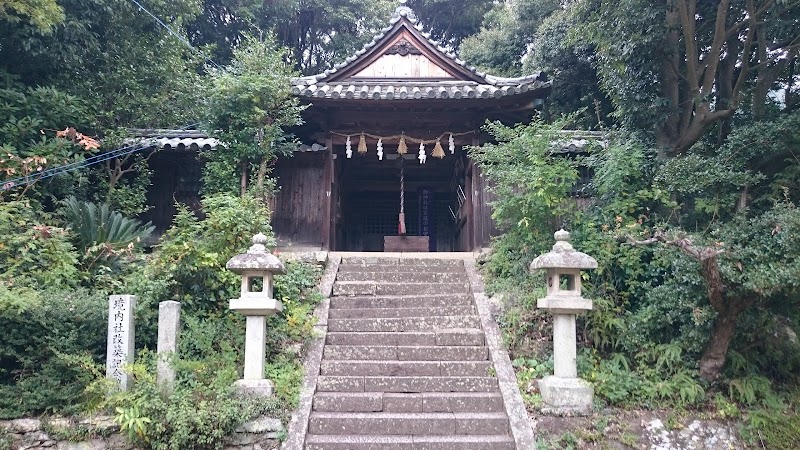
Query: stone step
x,y
431,323
406,368
452,337
383,423
401,402
401,301
404,277
370,313
394,261
355,288
407,442
405,353
372,268
335,383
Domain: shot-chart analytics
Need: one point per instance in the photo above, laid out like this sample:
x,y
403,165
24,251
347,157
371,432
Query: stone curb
x,y
518,417
298,426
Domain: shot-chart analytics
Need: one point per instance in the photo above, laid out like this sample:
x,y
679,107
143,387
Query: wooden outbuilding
x,y
397,113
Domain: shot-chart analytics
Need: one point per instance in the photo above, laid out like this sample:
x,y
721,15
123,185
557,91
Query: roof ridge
x,y
401,12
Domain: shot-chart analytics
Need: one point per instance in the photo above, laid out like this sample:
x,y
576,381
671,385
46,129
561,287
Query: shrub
x,y
773,429
191,261
43,335
200,412
30,242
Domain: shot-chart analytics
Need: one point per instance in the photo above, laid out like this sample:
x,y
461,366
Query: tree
x,y
106,67
451,21
681,67
752,262
576,86
43,14
131,71
318,33
249,105
525,36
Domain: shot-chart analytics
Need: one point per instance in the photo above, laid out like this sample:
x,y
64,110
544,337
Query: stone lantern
x,y
257,268
564,392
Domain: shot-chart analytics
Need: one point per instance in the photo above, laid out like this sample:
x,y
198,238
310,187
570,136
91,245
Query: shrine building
x,y
384,167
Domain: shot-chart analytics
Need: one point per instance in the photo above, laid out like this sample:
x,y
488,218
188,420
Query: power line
x,y
180,38
88,162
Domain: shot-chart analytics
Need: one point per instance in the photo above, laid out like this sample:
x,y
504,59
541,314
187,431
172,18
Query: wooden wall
x,y
299,215
485,227
176,178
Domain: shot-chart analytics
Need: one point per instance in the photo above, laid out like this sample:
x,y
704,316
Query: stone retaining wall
x,y
101,433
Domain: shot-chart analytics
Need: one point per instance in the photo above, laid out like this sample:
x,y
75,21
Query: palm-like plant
x,y
101,232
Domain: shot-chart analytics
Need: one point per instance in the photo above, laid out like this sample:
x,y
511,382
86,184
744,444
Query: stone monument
x,y
169,327
121,338
564,392
257,268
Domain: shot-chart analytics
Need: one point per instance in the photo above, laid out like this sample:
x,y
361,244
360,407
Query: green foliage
x,y
5,440
106,239
48,337
131,421
44,14
645,52
249,107
100,226
773,429
192,257
450,21
531,180
30,118
304,27
504,36
29,241
529,176
528,370
200,412
576,87
203,409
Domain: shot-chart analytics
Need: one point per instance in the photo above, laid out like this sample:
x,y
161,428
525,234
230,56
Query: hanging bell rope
x,y
401,226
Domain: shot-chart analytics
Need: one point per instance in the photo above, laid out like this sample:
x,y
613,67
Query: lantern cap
x,y
563,256
256,258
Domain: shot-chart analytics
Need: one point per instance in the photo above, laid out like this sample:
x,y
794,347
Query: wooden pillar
x,y
469,204
477,200
328,196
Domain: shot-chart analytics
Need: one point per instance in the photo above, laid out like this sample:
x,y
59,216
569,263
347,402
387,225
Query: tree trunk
x,y
713,358
262,175
243,180
667,131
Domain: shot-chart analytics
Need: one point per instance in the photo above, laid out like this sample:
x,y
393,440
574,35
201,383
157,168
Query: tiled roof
x,y
192,140
377,90
175,139
488,86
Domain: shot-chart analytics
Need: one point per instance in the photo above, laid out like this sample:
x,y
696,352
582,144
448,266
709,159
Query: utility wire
x,y
180,38
94,160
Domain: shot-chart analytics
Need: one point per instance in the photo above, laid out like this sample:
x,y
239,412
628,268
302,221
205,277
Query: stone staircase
x,y
405,365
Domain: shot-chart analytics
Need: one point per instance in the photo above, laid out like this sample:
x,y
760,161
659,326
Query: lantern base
x,y
262,307
254,388
566,396
563,304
